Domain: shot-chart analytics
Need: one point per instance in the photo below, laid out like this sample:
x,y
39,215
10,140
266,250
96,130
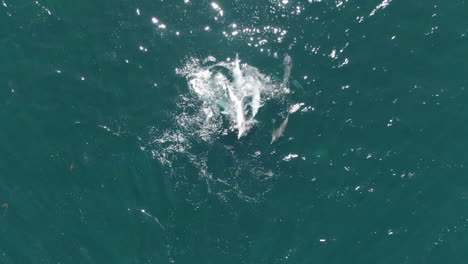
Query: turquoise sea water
x,y
120,140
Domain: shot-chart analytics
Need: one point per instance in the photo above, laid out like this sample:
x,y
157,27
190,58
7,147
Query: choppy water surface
x,y
274,131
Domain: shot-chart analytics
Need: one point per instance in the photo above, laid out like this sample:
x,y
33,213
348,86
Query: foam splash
x,y
230,89
222,98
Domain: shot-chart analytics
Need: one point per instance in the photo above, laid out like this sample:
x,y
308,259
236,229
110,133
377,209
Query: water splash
x,y
223,97
228,89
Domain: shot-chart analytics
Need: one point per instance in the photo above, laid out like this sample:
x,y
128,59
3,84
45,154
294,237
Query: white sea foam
x,y
382,5
293,109
223,97
233,90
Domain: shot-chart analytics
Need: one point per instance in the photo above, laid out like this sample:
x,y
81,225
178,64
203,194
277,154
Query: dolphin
x,y
236,101
287,70
279,131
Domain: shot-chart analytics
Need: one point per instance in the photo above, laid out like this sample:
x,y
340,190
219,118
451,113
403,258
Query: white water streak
x,y
382,5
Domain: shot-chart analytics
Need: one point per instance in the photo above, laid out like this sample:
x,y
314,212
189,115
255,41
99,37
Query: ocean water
x,y
233,131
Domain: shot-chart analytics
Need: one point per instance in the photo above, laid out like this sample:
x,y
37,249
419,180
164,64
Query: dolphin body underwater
x,y
244,97
287,73
279,131
287,70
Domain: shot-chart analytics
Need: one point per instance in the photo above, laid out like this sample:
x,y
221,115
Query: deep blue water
x,y
130,135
